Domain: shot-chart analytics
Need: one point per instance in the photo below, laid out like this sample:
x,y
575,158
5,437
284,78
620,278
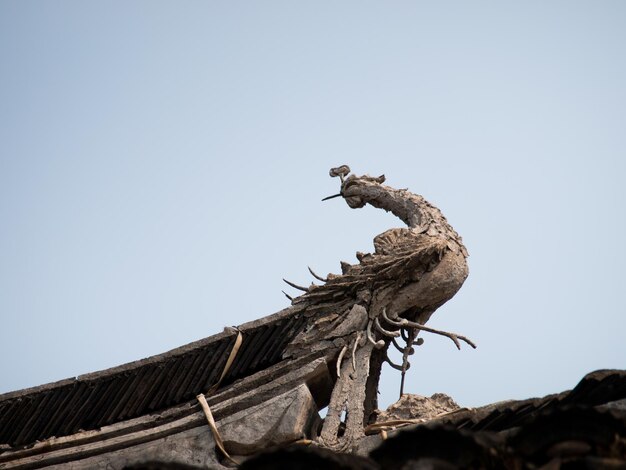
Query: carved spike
x,y
403,332
397,346
405,357
332,197
319,278
395,366
453,336
405,337
390,334
287,295
354,346
296,286
339,359
390,321
377,344
402,378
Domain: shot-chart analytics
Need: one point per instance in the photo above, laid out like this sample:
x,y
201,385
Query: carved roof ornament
x,y
390,294
328,347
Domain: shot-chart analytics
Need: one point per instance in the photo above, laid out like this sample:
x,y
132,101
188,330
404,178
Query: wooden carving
x,y
390,294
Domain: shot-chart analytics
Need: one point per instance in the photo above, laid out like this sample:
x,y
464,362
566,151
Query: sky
x,y
162,166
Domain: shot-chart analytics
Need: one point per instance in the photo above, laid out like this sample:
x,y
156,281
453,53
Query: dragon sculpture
x,y
344,326
390,294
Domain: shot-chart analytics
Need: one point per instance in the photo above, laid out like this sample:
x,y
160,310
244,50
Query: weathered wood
x,y
109,445
347,398
241,396
412,272
193,448
282,419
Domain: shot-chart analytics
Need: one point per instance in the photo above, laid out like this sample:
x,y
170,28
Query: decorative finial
x,y
341,171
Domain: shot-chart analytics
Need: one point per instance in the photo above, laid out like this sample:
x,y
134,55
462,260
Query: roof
x,y
101,398
580,428
594,389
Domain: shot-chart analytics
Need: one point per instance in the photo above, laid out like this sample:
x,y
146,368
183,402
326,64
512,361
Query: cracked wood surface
x,y
263,386
349,320
354,316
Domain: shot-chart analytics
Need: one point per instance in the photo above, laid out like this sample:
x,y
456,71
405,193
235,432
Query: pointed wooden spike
x,y
296,286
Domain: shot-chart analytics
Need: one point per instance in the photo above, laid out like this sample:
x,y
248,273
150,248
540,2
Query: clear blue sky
x,y
162,165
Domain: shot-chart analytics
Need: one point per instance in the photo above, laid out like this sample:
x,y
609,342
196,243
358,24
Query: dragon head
x,y
352,192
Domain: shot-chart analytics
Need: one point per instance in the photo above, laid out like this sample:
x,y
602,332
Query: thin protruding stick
x,y
354,346
388,361
402,330
339,359
296,286
403,323
377,344
405,358
453,336
390,334
396,345
319,278
216,435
